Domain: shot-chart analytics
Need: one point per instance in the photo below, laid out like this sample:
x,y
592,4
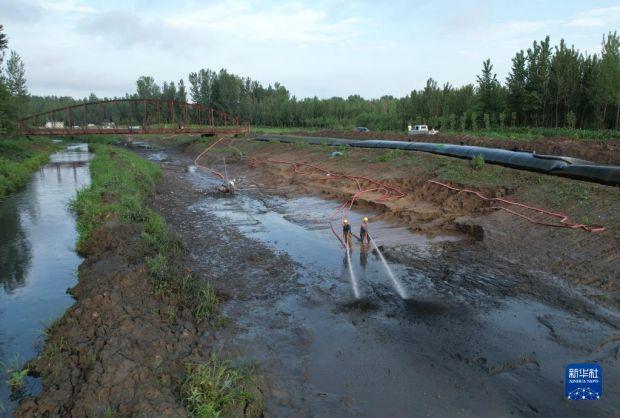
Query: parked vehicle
x,y
421,130
362,129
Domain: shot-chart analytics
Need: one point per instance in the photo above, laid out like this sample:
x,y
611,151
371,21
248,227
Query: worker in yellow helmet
x,y
364,232
346,233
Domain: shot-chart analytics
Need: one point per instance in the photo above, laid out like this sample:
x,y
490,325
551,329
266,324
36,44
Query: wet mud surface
x,y
474,333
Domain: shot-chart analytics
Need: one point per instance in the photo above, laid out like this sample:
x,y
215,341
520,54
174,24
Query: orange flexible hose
x,y
390,192
217,173
563,219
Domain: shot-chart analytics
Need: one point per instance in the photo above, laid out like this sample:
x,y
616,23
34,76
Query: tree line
x,y
548,86
13,91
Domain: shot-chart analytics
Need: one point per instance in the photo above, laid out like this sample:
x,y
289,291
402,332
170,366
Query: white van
x,y
421,130
418,130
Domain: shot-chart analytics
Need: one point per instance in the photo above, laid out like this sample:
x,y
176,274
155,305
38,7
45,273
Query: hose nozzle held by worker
x,y
346,233
364,232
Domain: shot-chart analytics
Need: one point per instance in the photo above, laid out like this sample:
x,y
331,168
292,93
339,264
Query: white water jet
x,y
398,285
356,290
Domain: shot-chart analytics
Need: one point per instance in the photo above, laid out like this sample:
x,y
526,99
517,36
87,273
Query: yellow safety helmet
x,y
365,219
345,221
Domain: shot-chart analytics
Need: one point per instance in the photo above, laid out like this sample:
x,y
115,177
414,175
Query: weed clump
x,y
213,386
477,163
16,374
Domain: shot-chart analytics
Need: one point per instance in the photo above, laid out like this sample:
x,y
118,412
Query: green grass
x,y
530,134
18,160
16,373
121,183
389,156
211,387
274,130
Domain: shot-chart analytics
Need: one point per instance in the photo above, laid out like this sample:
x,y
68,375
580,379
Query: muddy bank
x,y
116,350
600,151
578,256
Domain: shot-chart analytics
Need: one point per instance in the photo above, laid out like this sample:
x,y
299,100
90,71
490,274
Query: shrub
x,y
477,163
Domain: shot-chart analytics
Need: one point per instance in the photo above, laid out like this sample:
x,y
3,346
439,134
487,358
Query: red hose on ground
x,y
563,219
217,173
388,192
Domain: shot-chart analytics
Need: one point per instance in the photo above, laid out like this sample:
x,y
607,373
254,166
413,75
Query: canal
x,y
38,263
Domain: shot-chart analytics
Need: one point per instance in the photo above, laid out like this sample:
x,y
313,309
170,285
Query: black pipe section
x,y
548,164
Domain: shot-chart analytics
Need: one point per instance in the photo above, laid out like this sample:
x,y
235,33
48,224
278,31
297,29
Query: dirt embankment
x,y
115,350
600,151
119,350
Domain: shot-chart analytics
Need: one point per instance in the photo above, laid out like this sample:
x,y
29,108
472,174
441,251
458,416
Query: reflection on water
x,y
37,258
14,249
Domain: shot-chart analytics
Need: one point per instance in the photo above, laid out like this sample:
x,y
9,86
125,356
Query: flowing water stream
x,y
38,262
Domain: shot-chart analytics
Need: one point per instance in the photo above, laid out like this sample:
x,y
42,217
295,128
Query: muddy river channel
x,y
412,325
37,262
437,330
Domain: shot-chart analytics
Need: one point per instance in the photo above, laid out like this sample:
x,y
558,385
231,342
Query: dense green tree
x,y
16,82
516,84
4,43
7,113
609,79
489,92
16,75
181,95
563,79
147,88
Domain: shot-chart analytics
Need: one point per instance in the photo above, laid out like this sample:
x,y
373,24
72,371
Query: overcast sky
x,y
322,48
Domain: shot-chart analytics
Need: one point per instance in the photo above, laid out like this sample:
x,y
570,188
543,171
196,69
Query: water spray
x,y
354,284
398,285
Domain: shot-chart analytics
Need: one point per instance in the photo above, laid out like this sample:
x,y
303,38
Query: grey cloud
x,y
123,29
20,11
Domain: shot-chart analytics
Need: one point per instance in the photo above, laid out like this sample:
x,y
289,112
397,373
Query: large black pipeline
x,y
548,164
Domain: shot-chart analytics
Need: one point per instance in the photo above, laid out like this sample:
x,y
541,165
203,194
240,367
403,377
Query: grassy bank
x,y
18,159
524,134
121,184
531,134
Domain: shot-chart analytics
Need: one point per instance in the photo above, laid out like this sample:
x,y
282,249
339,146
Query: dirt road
x,y
477,333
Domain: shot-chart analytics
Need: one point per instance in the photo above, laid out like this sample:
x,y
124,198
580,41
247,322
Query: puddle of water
x,y
300,227
37,259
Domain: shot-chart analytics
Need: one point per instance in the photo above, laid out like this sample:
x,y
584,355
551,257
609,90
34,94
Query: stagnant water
x,y
38,261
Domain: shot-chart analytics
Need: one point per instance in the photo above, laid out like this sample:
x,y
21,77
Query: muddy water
x,y
37,260
465,343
